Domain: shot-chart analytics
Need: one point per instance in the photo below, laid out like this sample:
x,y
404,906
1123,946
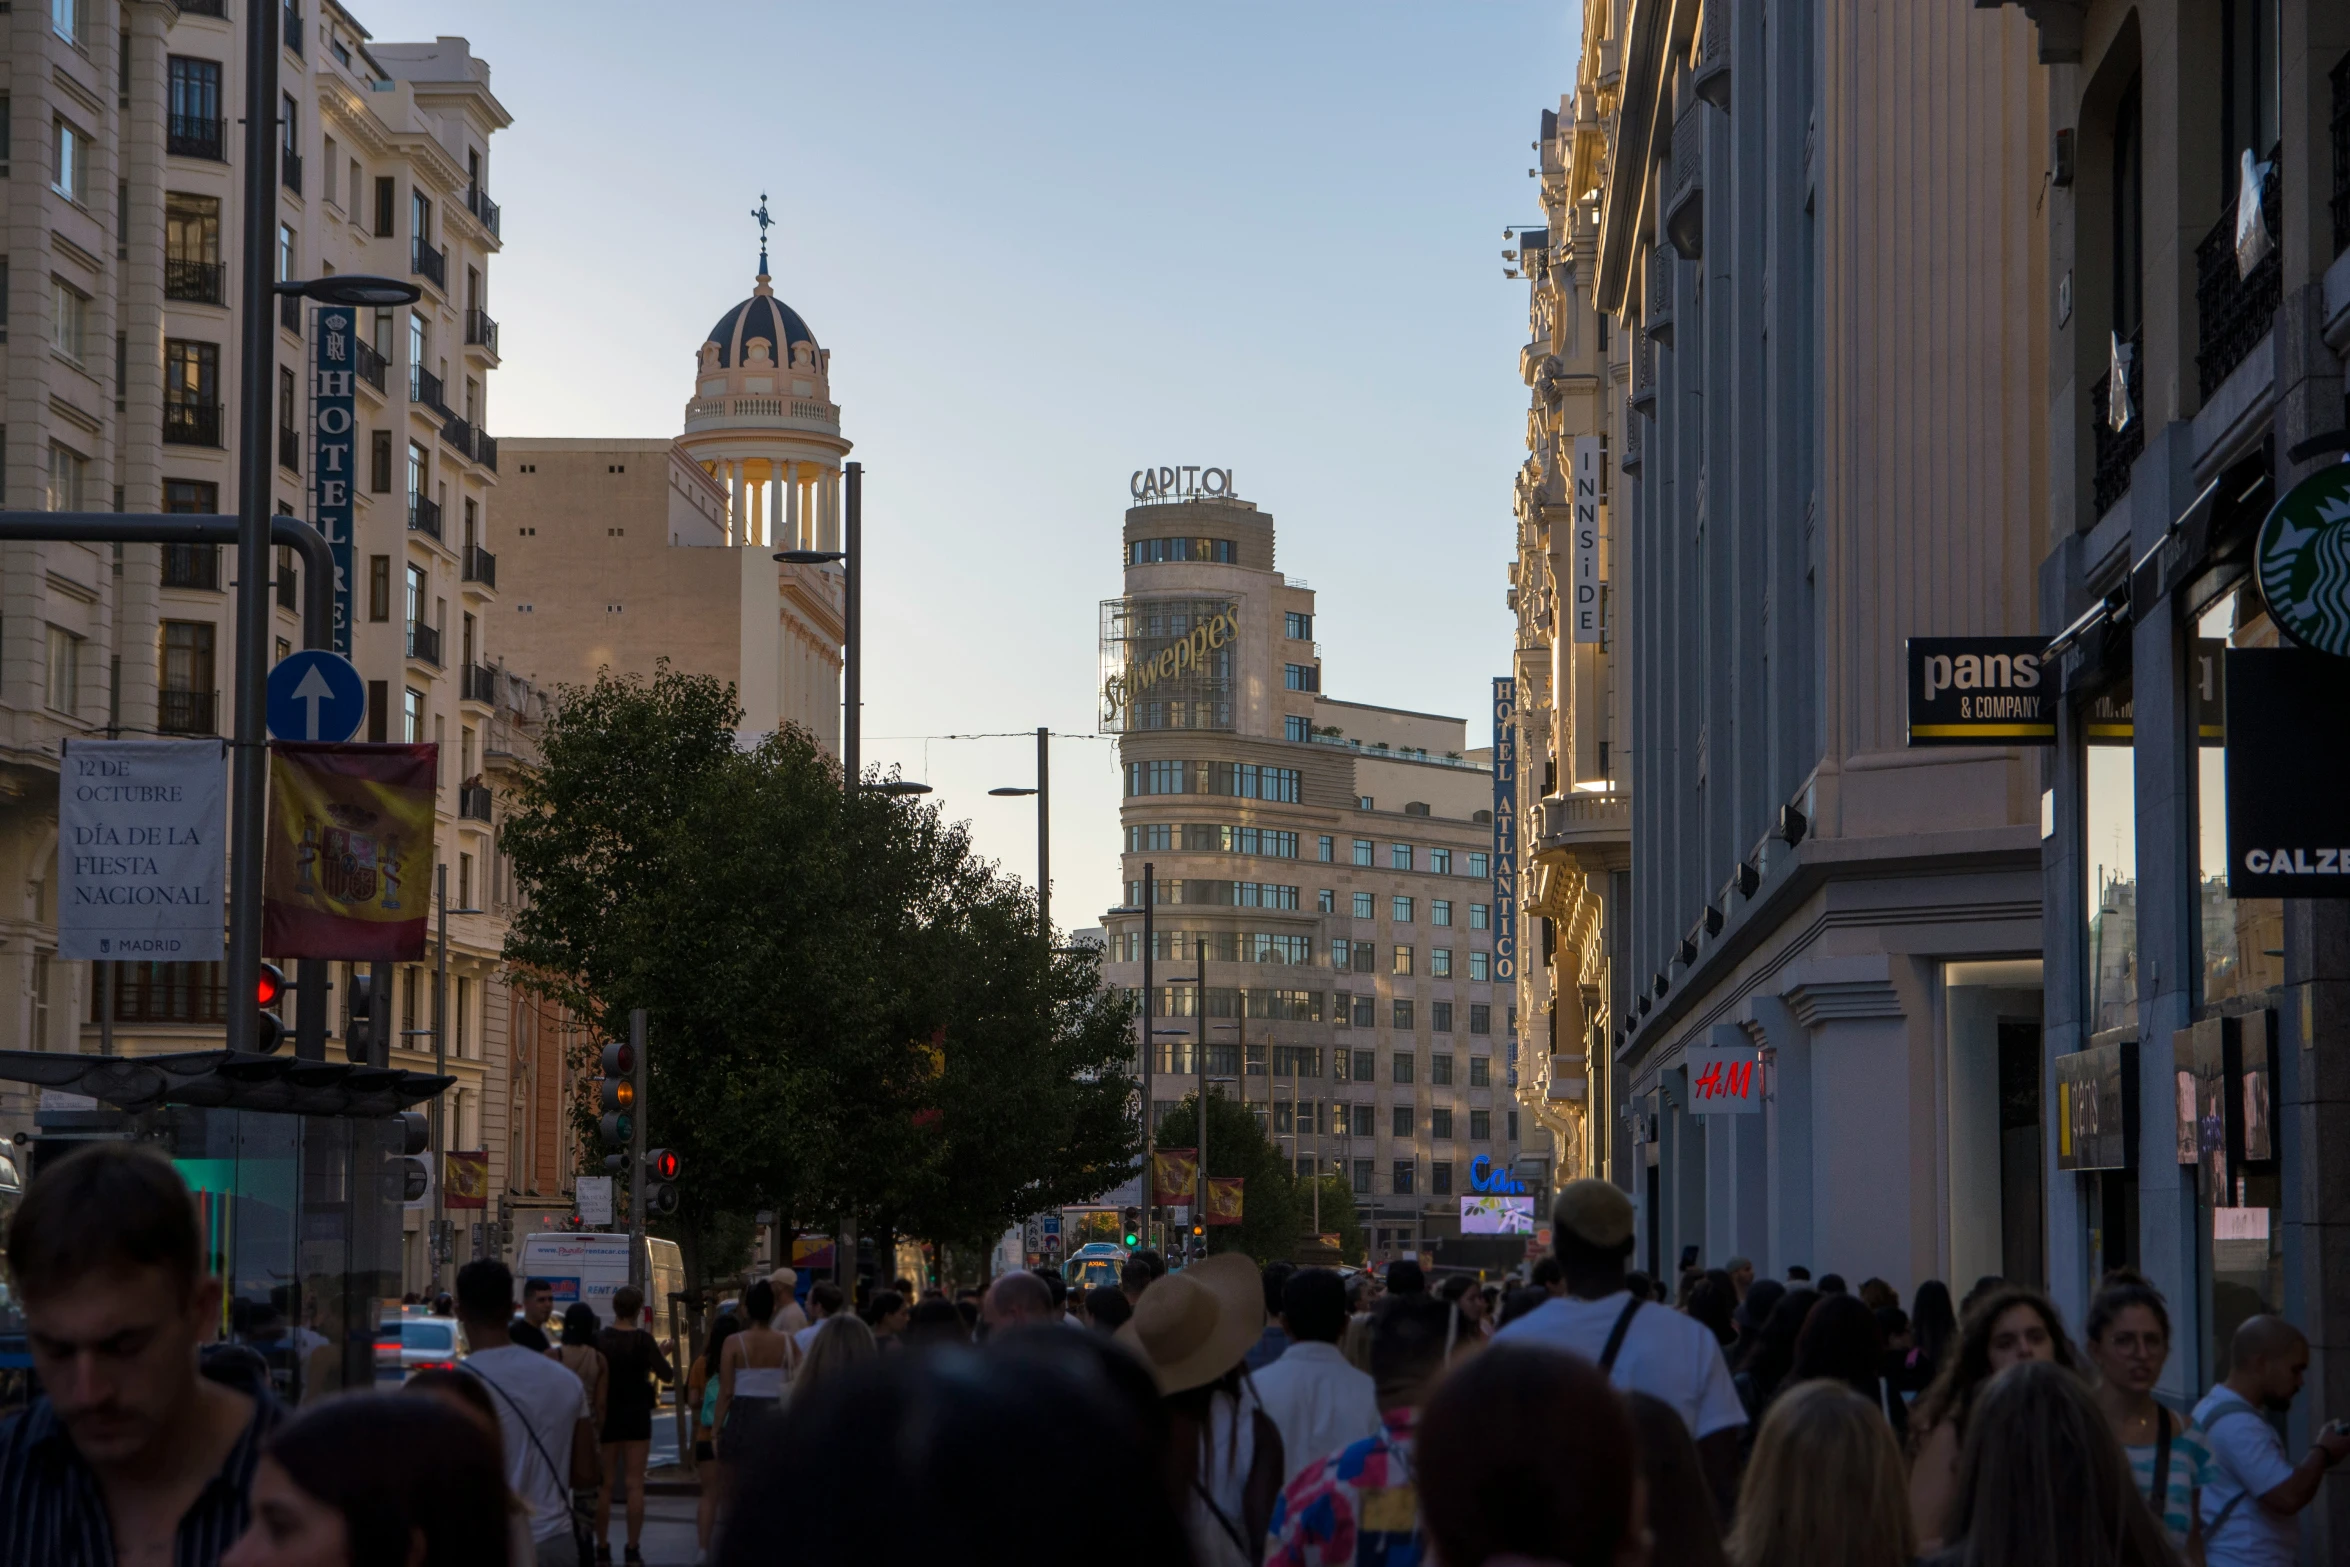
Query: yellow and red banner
x,y
465,1180
1174,1171
1224,1199
349,871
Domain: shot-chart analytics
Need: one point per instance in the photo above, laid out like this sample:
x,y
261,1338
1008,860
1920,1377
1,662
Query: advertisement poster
x,y
349,873
141,832
1491,1215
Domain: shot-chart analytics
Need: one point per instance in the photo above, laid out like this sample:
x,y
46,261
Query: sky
x,y
1048,245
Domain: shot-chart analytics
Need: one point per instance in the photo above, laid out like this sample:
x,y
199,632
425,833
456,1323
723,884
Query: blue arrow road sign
x,y
316,695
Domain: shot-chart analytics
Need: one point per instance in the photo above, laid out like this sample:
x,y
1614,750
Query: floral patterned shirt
x,y
1358,1507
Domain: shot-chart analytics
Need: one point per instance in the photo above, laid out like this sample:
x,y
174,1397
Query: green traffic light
x,y
1133,1240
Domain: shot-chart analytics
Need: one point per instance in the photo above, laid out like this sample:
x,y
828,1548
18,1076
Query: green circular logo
x,y
2303,561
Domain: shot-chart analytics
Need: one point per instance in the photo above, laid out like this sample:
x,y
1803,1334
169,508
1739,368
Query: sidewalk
x,y
669,1531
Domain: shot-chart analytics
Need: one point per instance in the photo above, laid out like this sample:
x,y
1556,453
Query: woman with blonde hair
x,y
1825,1487
843,1341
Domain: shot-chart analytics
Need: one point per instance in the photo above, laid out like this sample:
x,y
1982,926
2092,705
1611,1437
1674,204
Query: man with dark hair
x,y
1548,1277
824,1300
1833,1284
1273,1340
1642,1346
542,1408
1319,1402
538,1302
1406,1277
138,1449
1359,1503
1134,1278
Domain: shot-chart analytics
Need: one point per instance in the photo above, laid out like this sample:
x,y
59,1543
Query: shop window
x,y
2243,939
2110,861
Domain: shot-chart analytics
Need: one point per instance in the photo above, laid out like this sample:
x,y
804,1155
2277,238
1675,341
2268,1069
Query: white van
x,y
589,1265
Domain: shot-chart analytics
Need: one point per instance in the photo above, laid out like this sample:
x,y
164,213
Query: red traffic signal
x,y
662,1164
619,1060
272,986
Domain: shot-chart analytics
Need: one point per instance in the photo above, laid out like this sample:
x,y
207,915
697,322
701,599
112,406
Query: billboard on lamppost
x,y
1505,830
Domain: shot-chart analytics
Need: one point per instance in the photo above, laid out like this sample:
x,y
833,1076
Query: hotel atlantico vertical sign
x,y
1505,830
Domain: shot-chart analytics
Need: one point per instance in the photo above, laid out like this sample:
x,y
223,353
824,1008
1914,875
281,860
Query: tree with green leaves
x,y
1271,1218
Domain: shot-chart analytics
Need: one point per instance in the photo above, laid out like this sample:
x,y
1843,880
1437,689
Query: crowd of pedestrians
x,y
1219,1415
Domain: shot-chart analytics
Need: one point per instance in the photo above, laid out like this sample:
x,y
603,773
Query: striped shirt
x,y
2190,1472
53,1511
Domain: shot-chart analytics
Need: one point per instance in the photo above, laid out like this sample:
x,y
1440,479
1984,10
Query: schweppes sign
x,y
1134,681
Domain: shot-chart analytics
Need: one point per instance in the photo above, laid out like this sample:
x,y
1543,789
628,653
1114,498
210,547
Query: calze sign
x,y
1725,1082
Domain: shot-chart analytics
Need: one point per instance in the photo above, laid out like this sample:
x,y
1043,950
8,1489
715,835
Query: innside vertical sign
x,y
1505,830
334,358
1584,558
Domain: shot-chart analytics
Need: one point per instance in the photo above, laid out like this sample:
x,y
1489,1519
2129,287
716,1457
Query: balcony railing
x,y
289,313
289,169
481,330
372,365
189,136
2233,309
473,802
480,684
194,566
478,203
290,29
458,432
485,449
289,450
195,282
425,387
424,516
424,643
2340,127
482,567
187,712
429,264
2117,450
191,423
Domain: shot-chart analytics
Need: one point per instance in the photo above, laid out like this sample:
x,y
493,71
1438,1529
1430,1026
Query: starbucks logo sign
x,y
2304,561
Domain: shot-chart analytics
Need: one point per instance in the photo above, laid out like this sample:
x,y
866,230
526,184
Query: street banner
x,y
334,449
1173,1171
1224,1194
1584,608
350,851
468,1184
141,831
1505,831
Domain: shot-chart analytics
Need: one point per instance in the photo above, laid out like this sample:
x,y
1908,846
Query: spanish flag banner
x,y
466,1182
349,873
1172,1173
1224,1199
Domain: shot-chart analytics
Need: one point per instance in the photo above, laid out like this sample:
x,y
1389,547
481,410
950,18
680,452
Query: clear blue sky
x,y
1049,244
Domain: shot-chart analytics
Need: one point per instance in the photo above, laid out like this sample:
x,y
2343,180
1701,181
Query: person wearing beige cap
x,y
789,1318
1194,1329
1642,1346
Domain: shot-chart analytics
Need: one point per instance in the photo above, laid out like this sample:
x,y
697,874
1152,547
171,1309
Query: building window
x,y
1440,1173
69,320
1513,1125
1402,1065
1403,960
1363,907
1366,1016
1400,1121
386,205
1402,1014
65,672
1440,1125
1440,1016
1326,901
1399,856
1440,962
1297,627
285,253
1301,677
1362,851
1440,861
1480,1126
65,18
379,587
1326,849
1440,1070
1480,1071
1401,910
1366,955
379,462
69,473
1480,1017
1404,1169
191,249
1477,864
70,148
1151,552
191,392
1440,911
1480,966
1480,916
412,716
1362,1177
1296,728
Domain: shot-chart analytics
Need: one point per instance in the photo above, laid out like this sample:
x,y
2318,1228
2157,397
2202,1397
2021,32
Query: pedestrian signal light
x,y
662,1164
269,1030
365,1042
272,985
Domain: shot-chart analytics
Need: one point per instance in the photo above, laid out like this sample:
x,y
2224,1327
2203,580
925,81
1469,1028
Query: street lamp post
x,y
440,1066
1044,828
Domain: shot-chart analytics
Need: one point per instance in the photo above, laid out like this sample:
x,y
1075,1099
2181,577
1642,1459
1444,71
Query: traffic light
x,y
269,1030
661,1167
1131,1222
406,1176
617,1100
366,1037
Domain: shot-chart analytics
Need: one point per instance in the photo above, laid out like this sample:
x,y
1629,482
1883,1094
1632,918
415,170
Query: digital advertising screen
x,y
1491,1215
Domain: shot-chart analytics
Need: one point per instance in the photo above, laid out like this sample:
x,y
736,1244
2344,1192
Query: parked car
x,y
405,1345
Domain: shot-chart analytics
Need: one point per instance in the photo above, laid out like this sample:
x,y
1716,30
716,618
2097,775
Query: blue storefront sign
x,y
334,359
1505,830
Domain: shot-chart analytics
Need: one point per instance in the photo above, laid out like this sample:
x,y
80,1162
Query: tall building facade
x,y
1330,863
642,550
1805,290
2197,270
121,365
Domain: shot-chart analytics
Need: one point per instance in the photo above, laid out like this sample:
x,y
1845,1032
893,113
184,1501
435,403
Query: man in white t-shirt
x,y
542,1407
823,1300
2249,1511
1318,1402
1644,1347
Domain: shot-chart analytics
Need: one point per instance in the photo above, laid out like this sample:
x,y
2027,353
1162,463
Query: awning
x,y
227,1080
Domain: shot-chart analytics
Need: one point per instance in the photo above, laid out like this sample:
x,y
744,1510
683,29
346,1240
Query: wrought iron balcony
x,y
192,136
195,282
372,365
424,643
2117,450
191,423
187,712
480,684
485,449
2233,309
289,450
458,432
195,566
289,169
429,264
424,516
481,330
478,203
473,802
482,567
425,387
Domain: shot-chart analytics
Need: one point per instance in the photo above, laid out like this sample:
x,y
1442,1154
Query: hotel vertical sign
x,y
1584,558
1505,830
334,360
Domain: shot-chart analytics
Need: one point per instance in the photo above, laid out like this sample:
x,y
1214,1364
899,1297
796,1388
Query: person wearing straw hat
x,y
1194,1329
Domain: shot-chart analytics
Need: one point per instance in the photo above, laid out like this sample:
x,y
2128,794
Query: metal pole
x,y
853,625
636,1152
105,1006
256,465
440,1067
1149,1044
1044,831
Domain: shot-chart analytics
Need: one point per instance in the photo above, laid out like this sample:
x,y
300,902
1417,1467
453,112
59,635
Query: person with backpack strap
x,y
2249,1511
2128,1341
542,1412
